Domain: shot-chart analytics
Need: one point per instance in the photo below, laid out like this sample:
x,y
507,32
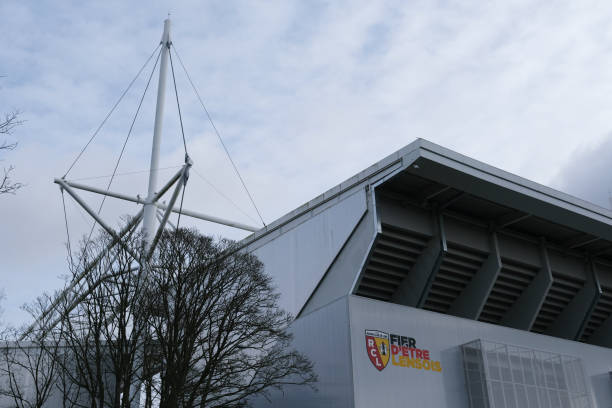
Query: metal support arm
x,y
571,321
211,218
525,310
472,299
121,196
138,200
180,185
95,216
415,287
66,291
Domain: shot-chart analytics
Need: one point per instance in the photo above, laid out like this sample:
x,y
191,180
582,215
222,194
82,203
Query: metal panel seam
x,y
366,257
594,301
350,348
249,240
365,212
406,160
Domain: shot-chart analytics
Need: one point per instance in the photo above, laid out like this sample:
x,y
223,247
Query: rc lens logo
x,y
377,345
401,350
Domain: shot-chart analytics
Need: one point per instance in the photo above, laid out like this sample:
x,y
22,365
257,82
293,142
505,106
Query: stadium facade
x,y
433,280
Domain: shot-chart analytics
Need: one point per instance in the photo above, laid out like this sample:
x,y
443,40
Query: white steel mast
x,y
150,209
151,205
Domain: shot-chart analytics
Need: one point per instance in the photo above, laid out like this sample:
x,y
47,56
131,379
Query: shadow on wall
x,y
453,378
588,175
602,387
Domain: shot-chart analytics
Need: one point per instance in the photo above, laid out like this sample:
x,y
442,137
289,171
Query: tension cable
x,y
219,137
123,148
111,111
68,246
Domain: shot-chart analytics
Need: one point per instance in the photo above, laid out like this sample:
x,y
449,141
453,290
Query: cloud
x,y
587,174
305,94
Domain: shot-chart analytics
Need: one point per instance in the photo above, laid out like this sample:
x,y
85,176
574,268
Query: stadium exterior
x,y
433,280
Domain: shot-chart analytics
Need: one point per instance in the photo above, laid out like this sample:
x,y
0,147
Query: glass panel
x,y
549,374
582,402
538,371
476,389
498,394
543,397
509,393
504,366
554,398
493,366
499,375
532,397
528,369
521,396
479,403
565,400
559,375
517,371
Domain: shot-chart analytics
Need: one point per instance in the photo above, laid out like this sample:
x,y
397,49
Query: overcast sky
x,y
305,94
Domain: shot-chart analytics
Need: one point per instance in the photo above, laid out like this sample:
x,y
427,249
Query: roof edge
x,y
515,179
382,167
423,148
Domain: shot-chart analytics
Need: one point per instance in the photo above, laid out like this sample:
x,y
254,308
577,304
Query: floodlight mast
x,y
150,210
151,231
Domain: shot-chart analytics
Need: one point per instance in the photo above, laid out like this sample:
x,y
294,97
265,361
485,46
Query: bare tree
x,y
101,329
7,124
28,364
221,336
197,324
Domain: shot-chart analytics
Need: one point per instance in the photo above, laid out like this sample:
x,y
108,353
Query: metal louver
x,y
602,311
561,293
513,279
458,267
393,254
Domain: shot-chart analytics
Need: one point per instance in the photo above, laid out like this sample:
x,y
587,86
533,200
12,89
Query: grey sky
x,y
305,93
588,174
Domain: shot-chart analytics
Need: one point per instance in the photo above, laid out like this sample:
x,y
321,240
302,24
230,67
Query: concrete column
x,y
470,302
603,335
413,290
525,310
572,320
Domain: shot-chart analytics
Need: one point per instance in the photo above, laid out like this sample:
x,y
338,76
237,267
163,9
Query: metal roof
x,y
435,163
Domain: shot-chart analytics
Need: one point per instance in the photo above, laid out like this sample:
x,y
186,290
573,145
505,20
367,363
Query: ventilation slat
x,y
517,279
467,255
456,271
373,293
403,256
511,282
391,258
458,263
379,277
374,283
389,262
601,313
445,276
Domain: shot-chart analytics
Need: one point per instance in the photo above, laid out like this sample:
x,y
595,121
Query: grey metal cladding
x,y
442,335
323,336
449,265
299,257
341,273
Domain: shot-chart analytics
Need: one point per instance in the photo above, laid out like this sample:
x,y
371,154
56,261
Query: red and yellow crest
x,y
377,347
